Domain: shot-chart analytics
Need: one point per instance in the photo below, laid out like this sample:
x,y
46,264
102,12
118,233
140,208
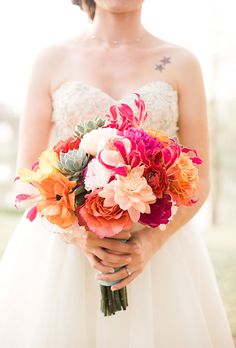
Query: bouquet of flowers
x,y
109,175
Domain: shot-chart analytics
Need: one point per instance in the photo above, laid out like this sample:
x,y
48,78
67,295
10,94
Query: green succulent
x,y
87,126
73,162
80,192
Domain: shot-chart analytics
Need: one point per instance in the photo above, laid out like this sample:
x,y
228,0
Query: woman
x,y
48,295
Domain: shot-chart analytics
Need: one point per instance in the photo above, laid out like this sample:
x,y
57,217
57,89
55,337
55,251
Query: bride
x,y
49,296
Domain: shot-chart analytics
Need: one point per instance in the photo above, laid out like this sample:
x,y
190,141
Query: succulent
x,y
73,163
80,192
87,126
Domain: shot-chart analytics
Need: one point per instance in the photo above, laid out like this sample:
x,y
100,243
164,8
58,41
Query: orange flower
x,y
183,181
104,221
158,135
58,203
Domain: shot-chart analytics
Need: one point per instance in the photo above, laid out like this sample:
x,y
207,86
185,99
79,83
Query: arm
x,y
35,122
193,134
35,129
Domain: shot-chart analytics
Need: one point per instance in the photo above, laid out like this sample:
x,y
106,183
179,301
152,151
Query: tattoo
x,y
164,61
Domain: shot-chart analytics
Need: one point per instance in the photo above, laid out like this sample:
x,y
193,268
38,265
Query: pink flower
x,y
102,220
160,213
131,193
122,154
113,155
122,116
91,140
139,135
96,175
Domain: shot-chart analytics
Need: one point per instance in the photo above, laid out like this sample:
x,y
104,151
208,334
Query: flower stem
x,y
113,301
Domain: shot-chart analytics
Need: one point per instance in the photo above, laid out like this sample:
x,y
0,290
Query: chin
x,y
119,6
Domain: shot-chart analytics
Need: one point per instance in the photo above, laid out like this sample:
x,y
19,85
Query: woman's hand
x,y
143,245
98,253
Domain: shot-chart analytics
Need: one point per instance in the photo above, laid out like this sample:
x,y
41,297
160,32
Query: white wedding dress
x,y
49,297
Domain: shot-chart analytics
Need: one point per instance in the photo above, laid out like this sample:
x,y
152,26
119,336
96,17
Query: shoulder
x,y
186,68
49,61
50,55
181,56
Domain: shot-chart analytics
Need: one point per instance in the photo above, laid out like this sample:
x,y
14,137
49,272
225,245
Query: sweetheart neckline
x,y
77,81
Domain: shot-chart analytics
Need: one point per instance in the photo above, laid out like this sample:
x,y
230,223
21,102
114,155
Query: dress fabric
x,y
49,297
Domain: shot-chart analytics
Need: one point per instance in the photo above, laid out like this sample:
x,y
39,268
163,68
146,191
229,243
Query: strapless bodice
x,y
75,101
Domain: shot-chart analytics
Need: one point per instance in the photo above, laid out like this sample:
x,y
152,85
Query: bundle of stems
x,y
113,301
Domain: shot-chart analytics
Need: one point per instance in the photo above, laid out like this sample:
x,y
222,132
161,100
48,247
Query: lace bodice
x,y
75,101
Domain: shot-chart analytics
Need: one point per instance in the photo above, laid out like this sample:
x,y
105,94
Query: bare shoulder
x,y
48,62
50,56
185,68
180,55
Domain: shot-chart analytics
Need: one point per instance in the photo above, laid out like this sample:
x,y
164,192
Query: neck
x,y
123,27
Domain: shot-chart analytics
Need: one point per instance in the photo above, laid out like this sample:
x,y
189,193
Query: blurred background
x,y
208,29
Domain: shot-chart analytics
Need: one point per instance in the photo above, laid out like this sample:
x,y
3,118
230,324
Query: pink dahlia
x,y
131,193
139,135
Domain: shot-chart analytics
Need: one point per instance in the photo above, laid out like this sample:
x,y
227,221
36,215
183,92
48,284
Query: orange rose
x,y
103,221
183,181
58,203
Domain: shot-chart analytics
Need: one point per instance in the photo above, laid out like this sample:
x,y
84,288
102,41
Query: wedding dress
x,y
49,297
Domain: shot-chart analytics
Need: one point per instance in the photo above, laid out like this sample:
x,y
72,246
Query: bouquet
x,y
109,175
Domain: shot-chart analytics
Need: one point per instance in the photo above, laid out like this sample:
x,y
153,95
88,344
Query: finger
x,y
116,245
108,257
123,235
96,264
121,274
125,281
114,265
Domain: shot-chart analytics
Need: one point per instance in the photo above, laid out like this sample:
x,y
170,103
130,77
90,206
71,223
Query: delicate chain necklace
x,y
116,42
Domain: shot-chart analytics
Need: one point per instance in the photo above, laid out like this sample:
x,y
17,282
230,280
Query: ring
x,y
128,271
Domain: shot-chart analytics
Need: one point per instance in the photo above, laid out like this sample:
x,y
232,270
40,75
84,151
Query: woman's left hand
x,y
145,243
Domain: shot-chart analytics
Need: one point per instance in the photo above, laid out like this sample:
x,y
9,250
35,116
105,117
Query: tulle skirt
x,y
49,297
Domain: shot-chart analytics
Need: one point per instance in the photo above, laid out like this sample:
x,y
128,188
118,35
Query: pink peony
x,y
96,175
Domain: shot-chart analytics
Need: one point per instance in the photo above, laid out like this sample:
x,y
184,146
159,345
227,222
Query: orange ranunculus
x,y
183,181
103,221
58,202
158,135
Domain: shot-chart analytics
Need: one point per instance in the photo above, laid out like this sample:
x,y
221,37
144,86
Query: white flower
x,y
91,140
96,176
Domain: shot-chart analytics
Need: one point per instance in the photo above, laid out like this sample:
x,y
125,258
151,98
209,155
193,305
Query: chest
x,y
117,72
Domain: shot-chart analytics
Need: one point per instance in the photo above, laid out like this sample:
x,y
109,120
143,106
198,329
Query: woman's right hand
x,y
104,254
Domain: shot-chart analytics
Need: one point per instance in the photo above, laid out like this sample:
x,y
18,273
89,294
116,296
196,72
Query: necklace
x,y
116,42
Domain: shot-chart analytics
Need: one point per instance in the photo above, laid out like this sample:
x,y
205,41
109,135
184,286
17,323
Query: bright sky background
x,y
205,27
